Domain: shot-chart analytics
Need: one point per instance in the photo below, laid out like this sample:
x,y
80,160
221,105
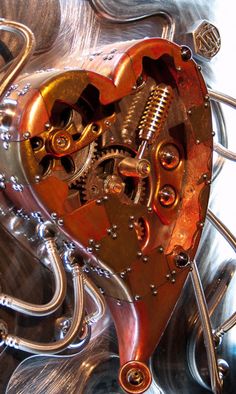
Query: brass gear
x,y
70,167
140,230
104,170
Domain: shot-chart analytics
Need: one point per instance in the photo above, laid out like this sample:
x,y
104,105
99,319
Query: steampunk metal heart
x,y
118,154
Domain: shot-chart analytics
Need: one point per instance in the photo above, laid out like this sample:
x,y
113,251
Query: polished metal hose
x,y
226,326
72,333
224,152
222,98
216,382
98,300
24,55
223,230
168,30
60,287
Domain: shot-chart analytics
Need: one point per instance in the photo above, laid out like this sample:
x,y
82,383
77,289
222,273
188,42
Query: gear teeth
x,y
93,178
76,182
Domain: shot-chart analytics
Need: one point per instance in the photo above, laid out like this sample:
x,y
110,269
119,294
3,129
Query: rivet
x,y
178,68
99,201
26,135
206,105
137,297
150,209
139,254
189,112
152,286
145,259
160,249
47,126
114,235
197,142
131,218
213,133
199,67
200,224
154,292
131,226
5,145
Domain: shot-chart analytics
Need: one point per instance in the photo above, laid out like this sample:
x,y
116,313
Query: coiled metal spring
x,y
155,112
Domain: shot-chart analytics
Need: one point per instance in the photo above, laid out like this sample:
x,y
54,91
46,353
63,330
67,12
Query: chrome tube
x,y
216,382
168,30
230,238
222,136
226,326
98,300
222,151
222,98
59,293
23,57
72,333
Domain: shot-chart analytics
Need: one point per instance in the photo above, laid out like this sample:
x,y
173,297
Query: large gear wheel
x,y
69,167
104,178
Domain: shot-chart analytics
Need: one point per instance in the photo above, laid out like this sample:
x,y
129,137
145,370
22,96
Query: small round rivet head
x,y
182,260
223,368
186,53
135,377
2,185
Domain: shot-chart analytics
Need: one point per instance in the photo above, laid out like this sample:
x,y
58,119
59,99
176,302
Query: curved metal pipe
x,y
59,293
75,327
222,98
216,382
222,136
222,151
230,238
226,326
168,30
98,300
23,57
